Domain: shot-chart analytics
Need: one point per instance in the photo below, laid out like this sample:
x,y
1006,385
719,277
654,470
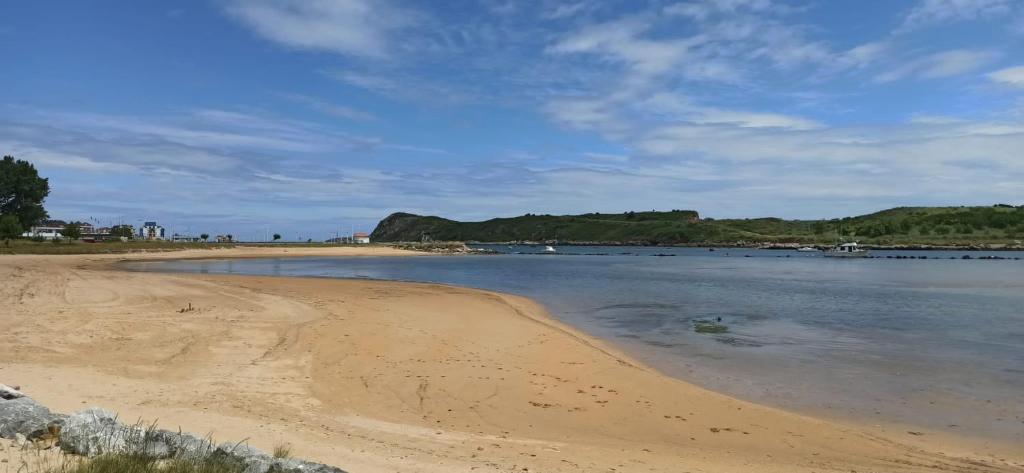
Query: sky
x,y
311,117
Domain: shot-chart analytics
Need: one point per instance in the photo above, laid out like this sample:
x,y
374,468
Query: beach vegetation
x,y
72,231
134,463
120,231
22,191
10,228
283,451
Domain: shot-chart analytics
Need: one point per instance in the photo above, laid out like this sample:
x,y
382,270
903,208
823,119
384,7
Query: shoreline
x,y
768,246
337,352
641,354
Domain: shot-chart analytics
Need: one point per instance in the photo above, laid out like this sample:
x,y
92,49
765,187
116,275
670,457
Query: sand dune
x,y
378,377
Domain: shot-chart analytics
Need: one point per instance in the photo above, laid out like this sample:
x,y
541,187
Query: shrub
x,y
125,463
283,451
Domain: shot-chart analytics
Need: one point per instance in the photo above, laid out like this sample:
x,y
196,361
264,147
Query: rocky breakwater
x,y
442,247
95,431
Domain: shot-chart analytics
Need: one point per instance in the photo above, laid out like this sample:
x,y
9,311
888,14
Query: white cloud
x,y
619,41
934,119
724,42
1013,76
667,106
566,10
605,157
585,114
703,10
354,27
938,12
861,56
944,64
745,119
331,109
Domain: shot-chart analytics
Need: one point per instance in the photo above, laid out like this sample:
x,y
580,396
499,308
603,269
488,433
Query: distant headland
x,y
997,226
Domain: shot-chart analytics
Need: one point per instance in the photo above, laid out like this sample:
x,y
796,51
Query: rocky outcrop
x,y
22,415
95,431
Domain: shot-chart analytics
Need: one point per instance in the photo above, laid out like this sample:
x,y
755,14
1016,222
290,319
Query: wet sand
x,y
383,376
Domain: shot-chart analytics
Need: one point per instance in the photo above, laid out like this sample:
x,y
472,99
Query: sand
x,y
378,376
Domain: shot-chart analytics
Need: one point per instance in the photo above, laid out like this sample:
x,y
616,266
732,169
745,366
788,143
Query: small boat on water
x,y
847,250
807,249
549,249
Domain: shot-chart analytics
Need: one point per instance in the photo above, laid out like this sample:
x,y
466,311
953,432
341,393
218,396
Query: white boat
x,y
847,250
807,249
549,249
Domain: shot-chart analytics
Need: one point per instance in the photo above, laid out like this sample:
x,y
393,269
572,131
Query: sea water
x,y
936,343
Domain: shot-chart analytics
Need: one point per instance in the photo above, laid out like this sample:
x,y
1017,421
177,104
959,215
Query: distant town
x,y
52,229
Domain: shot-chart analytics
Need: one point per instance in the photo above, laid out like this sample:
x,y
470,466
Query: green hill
x,y
899,226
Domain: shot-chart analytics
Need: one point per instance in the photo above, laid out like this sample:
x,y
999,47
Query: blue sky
x,y
310,117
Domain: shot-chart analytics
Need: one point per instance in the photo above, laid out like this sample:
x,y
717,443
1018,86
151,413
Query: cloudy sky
x,y
308,117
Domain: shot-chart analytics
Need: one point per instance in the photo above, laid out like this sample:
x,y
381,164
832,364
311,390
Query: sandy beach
x,y
376,376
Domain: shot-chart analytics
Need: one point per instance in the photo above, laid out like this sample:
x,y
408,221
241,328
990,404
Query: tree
x,y
72,231
123,231
277,236
230,237
10,228
204,236
22,191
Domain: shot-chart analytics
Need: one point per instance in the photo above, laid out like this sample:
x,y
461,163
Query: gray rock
x,y
258,465
164,443
96,431
7,393
240,450
24,416
299,466
256,461
20,439
253,459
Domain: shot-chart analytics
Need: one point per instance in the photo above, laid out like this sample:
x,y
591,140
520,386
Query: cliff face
x,y
401,226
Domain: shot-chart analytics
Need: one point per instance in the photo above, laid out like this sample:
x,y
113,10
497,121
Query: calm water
x,y
937,343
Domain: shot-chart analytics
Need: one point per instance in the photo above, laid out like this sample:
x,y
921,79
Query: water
x,y
937,343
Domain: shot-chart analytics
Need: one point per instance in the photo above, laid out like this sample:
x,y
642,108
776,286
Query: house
x,y
48,229
85,228
224,238
361,237
151,231
178,238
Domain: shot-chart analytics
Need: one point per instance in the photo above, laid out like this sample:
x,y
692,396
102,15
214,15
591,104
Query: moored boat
x,y
847,250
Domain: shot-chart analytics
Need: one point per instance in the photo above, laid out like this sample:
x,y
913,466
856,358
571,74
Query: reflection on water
x,y
937,342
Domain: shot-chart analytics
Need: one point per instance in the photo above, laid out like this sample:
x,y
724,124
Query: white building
x,y
361,237
48,233
48,229
151,231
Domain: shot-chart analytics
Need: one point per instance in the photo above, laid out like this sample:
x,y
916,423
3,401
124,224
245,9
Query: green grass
x,y
124,463
283,451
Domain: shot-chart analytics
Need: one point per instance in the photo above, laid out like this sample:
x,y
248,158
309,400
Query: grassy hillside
x,y
904,225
